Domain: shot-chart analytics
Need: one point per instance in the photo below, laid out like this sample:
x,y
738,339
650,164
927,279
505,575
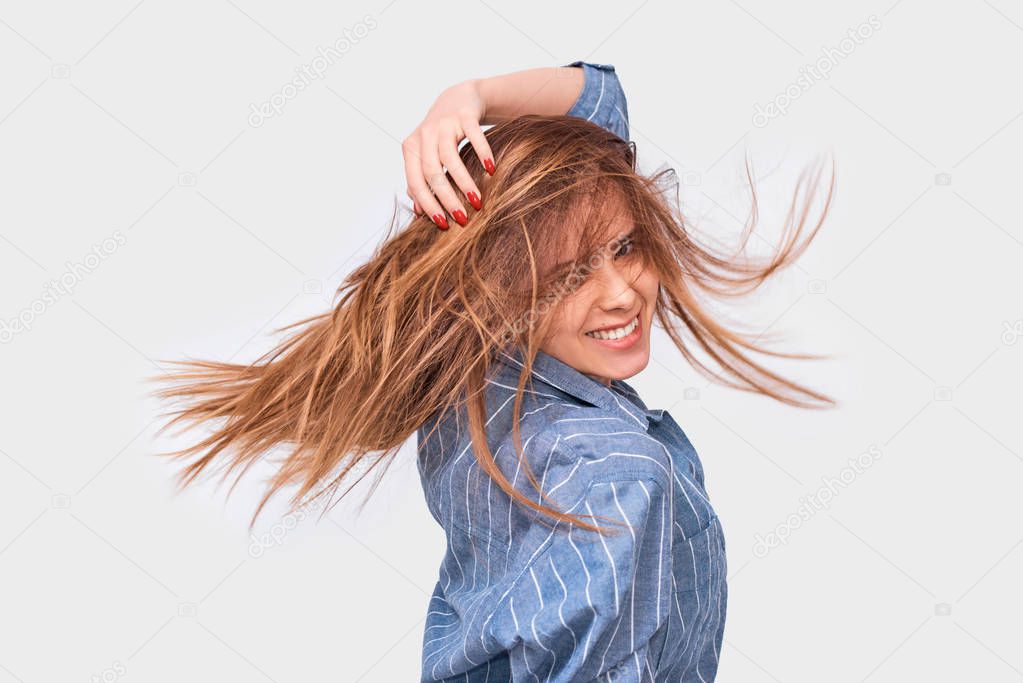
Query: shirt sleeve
x,y
588,607
602,99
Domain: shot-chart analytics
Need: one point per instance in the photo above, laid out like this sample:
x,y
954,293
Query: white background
x,y
132,119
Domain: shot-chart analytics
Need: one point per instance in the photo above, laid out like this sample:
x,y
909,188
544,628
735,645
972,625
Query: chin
x,y
627,367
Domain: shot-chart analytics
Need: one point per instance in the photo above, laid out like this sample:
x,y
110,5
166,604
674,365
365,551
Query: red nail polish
x,y
474,199
441,222
460,216
489,165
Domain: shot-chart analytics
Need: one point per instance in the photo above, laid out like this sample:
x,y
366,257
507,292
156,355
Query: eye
x,y
625,248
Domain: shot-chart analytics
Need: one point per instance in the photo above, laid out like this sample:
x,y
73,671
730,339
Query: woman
x,y
581,543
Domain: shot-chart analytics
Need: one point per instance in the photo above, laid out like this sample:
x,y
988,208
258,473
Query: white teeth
x,y
617,333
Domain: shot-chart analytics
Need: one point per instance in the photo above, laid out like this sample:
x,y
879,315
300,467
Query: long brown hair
x,y
415,329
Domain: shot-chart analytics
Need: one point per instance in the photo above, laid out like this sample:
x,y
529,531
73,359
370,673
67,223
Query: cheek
x,y
649,285
569,318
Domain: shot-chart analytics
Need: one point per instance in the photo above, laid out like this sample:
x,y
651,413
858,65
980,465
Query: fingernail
x,y
474,199
441,222
489,165
460,216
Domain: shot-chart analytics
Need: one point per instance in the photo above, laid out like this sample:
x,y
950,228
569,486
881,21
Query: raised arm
x,y
584,89
546,91
587,90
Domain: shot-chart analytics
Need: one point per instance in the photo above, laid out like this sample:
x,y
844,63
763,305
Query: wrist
x,y
483,87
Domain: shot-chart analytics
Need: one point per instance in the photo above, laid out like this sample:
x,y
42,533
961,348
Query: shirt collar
x,y
559,375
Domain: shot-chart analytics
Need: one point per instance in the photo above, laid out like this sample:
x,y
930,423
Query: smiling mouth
x,y
616,333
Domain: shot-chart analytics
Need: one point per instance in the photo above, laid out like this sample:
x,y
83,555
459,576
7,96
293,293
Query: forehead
x,y
594,223
617,223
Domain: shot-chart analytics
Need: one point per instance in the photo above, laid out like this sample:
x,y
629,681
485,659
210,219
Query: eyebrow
x,y
627,237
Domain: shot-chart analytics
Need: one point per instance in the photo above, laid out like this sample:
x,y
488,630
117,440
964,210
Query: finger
x,y
450,158
479,143
415,204
417,184
437,180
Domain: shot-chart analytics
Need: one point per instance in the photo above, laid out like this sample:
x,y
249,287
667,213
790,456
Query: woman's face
x,y
602,329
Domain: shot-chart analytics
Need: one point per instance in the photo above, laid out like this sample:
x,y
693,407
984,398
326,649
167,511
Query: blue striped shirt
x,y
520,598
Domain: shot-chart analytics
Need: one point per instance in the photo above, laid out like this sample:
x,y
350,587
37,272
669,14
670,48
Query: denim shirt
x,y
602,99
520,598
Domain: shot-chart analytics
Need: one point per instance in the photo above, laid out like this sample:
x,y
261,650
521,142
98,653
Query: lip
x,y
624,342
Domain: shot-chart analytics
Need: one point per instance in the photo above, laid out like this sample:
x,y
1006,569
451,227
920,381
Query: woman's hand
x,y
433,145
458,114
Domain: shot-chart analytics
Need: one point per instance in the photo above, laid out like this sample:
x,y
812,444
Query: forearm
x,y
546,91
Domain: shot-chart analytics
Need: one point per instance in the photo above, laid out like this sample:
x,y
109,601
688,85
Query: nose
x,y
615,289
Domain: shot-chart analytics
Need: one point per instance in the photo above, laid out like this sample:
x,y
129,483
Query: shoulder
x,y
592,463
611,446
590,448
